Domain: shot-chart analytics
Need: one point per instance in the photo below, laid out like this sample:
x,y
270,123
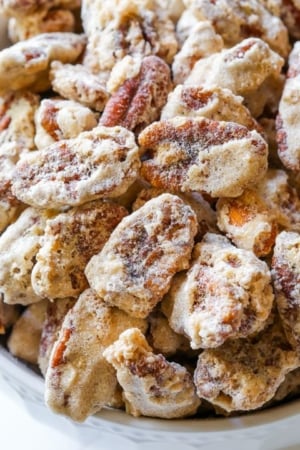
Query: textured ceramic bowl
x,y
273,429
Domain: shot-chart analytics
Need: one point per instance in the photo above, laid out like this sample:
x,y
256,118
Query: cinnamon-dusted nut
x,y
76,82
24,340
248,222
213,103
135,267
26,64
244,374
42,21
79,381
287,122
139,100
54,316
242,68
58,119
226,294
286,275
201,42
221,159
19,244
152,386
236,20
69,242
8,316
96,164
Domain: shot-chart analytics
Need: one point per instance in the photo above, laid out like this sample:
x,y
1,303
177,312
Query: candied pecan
x,y
139,100
135,267
185,154
226,294
88,328
96,164
286,274
244,374
69,242
152,386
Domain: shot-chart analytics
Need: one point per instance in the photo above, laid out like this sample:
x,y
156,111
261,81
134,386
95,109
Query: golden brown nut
x,y
100,163
236,20
138,101
226,294
287,121
248,222
54,316
286,276
19,244
213,103
79,381
242,68
75,82
244,374
135,268
58,119
27,63
24,340
8,316
152,386
201,42
69,242
218,158
43,21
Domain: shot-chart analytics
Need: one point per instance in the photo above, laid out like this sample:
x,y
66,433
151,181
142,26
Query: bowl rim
x,y
31,382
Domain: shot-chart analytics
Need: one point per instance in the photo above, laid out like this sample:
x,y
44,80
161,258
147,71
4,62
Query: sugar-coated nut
x,y
58,119
79,381
24,340
70,240
19,244
99,163
135,267
226,294
244,374
286,275
76,82
27,63
152,386
139,100
219,158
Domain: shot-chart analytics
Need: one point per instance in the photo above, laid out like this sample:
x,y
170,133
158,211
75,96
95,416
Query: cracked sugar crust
x,y
69,242
27,63
244,374
286,277
201,42
19,244
76,82
79,381
25,27
287,121
138,100
24,340
54,317
116,29
226,294
248,222
214,103
152,386
135,267
58,119
96,164
218,158
241,69
236,20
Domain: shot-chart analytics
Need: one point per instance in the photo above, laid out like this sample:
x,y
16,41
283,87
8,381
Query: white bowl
x,y
273,429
